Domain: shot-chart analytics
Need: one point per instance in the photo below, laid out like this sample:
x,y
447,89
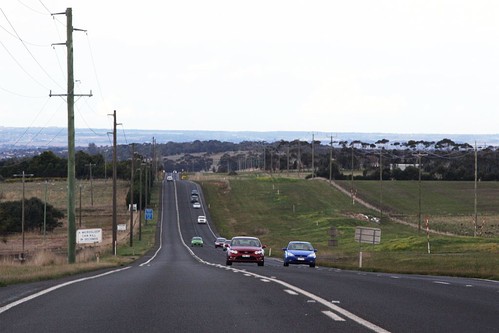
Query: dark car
x,y
245,249
298,252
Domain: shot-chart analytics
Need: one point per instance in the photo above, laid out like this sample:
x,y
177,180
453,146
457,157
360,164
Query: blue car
x,y
298,252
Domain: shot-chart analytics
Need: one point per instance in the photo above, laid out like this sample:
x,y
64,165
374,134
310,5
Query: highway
x,y
178,288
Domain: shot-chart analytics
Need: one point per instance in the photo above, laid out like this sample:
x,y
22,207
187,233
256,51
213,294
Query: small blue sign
x,y
149,214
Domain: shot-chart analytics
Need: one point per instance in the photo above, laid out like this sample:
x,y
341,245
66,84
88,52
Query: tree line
x,y
48,165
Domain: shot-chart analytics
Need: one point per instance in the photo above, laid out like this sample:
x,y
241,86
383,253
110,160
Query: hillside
x,y
279,209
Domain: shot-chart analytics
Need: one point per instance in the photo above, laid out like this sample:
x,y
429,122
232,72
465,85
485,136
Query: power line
x,y
42,128
124,134
20,95
27,49
93,66
30,8
14,36
23,69
48,11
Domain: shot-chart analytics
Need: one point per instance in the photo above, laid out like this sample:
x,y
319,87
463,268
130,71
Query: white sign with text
x,y
88,236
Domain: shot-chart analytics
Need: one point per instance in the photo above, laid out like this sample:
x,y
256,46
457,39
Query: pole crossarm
x,y
75,95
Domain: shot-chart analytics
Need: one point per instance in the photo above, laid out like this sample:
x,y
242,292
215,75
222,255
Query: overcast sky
x,y
332,66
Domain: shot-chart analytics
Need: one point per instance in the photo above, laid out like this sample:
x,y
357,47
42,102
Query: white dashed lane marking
x,y
441,282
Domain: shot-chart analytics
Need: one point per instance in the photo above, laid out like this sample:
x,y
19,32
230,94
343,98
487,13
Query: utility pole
x,y
419,155
351,178
80,205
24,175
140,201
131,195
115,223
91,185
154,153
380,183
299,158
45,213
147,186
287,154
476,198
71,134
331,161
264,159
313,157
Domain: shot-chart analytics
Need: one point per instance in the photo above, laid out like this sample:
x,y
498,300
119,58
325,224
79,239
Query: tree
x,y
11,216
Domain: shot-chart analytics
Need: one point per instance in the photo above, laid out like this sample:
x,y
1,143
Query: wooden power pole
x,y
71,135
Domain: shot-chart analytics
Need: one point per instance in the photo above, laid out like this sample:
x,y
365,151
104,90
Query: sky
x,y
369,66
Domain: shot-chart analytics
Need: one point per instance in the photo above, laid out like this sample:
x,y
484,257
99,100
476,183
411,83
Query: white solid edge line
x,y
160,235
333,316
48,290
329,305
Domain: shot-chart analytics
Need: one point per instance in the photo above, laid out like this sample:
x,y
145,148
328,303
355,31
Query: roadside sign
x,y
149,214
88,236
368,235
122,227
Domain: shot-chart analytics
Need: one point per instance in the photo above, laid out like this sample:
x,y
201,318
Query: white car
x,y
169,178
196,205
202,219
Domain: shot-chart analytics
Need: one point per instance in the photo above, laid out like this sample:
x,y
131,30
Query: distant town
x,y
19,142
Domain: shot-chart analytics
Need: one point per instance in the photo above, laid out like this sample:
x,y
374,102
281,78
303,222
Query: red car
x,y
245,249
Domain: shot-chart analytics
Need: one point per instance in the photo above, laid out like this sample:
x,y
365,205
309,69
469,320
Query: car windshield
x,y
300,246
246,242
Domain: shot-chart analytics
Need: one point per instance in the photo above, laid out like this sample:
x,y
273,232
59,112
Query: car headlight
x,y
289,254
259,252
233,251
311,255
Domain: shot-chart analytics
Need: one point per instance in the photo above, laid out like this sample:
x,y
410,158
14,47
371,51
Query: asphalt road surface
x,y
179,288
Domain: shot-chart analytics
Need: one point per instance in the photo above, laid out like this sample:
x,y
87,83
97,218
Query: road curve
x,y
177,288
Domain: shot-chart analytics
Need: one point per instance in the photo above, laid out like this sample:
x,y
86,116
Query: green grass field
x,y
278,210
449,206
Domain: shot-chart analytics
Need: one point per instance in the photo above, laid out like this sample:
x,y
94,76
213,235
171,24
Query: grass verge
x,y
278,210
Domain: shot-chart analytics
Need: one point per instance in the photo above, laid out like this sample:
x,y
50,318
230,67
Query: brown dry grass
x,y
46,255
98,215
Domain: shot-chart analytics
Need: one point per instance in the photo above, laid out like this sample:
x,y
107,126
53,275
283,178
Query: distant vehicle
x,y
169,178
174,171
245,249
194,192
196,205
197,241
298,252
194,198
219,242
202,219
